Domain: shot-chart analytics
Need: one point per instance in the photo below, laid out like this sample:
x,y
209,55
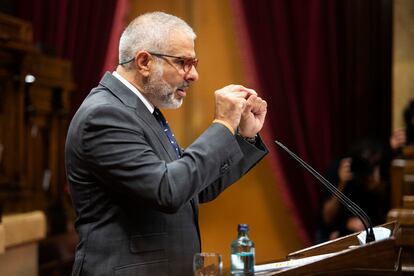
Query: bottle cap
x,y
243,227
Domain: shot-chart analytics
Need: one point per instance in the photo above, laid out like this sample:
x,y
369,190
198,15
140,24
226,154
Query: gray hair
x,y
150,32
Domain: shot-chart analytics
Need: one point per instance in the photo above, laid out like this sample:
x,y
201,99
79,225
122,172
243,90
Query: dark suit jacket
x,y
136,204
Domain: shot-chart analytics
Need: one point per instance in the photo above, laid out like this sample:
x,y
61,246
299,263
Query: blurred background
x,y
332,72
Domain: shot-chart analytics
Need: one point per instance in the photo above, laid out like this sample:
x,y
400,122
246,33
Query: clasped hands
x,y
241,108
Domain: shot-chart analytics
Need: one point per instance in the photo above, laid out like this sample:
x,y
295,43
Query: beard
x,y
160,93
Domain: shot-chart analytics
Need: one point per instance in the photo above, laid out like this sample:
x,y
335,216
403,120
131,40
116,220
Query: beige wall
x,y
403,58
255,199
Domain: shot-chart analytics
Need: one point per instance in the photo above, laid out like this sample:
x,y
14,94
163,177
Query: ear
x,y
143,62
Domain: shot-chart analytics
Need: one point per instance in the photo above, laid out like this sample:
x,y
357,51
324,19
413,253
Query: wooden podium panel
x,y
348,257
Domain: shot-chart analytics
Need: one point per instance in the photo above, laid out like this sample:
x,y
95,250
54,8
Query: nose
x,y
191,75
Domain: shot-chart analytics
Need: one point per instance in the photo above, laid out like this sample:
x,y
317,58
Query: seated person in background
x,y
398,140
364,177
403,137
358,177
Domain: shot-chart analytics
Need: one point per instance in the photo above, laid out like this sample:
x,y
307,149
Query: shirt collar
x,y
135,90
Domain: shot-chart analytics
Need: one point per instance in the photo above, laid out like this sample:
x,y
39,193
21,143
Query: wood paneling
x,y
403,58
33,123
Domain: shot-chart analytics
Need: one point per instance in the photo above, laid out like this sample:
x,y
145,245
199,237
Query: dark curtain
x,y
76,30
324,68
365,63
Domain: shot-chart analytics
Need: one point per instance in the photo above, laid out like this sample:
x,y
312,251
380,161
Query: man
x,y
136,193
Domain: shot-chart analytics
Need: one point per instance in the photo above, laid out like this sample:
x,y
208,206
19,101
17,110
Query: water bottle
x,y
242,253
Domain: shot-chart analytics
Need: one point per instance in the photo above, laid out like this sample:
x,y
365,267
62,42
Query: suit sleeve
x,y
121,157
251,155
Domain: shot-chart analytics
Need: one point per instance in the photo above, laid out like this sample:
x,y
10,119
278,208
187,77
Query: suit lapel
x,y
143,112
130,99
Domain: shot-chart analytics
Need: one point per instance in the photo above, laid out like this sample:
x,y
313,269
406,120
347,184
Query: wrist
x,y
226,124
251,140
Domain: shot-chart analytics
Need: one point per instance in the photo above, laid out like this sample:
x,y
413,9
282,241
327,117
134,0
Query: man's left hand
x,y
253,116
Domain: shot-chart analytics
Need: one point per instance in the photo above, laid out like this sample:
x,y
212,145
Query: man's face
x,y
168,82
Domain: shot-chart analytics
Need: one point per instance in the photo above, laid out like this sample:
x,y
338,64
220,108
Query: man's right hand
x,y
230,103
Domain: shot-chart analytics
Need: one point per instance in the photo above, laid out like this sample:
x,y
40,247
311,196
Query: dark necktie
x,y
167,130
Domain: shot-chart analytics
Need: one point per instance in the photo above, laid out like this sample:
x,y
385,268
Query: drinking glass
x,y
207,264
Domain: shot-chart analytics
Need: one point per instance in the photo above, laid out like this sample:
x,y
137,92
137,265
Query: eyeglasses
x,y
186,63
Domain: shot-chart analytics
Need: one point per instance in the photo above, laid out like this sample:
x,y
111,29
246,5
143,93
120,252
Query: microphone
x,y
346,201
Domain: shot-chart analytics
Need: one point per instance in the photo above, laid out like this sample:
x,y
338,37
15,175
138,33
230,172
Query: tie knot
x,y
158,115
156,112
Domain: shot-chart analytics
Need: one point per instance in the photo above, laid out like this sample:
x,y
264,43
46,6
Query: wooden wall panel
x,y
403,59
33,123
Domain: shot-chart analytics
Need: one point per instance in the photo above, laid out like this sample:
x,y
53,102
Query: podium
x,y
344,256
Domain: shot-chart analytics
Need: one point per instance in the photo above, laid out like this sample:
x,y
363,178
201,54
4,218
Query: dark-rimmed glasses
x,y
186,63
